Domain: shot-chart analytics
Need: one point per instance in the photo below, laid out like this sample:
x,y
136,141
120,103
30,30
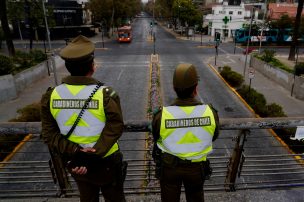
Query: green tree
x,y
163,8
5,27
113,12
186,12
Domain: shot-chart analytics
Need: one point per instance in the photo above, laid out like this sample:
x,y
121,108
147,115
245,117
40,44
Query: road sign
x,y
251,73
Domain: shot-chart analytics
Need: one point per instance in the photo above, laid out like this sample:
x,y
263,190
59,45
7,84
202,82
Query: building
x,y
276,10
225,19
71,18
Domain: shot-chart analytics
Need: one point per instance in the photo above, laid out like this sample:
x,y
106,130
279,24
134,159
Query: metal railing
x,y
241,160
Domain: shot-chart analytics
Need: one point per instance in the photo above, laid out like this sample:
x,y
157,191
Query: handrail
x,y
255,166
144,126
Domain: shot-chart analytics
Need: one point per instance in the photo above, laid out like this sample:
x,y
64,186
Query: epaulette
x,y
110,92
50,89
155,111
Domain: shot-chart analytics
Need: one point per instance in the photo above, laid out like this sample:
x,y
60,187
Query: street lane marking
x,y
120,73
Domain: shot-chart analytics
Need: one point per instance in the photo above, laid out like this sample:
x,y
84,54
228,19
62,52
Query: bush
x,y
299,68
233,78
30,113
256,100
268,55
38,56
24,60
274,110
6,65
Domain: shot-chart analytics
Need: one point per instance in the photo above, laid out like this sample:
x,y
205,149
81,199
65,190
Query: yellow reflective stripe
x,y
188,110
210,129
204,158
96,112
113,149
83,139
54,95
189,138
193,154
75,89
165,132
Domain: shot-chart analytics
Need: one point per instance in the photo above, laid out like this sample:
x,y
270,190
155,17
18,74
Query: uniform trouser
x,y
172,178
90,192
108,179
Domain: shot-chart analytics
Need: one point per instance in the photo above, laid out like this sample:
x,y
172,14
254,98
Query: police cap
x,y
79,49
185,76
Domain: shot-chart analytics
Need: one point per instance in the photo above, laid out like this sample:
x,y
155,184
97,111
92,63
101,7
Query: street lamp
x,y
266,9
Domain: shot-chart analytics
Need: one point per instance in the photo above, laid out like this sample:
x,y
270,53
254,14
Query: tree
x,y
296,29
5,27
186,12
113,12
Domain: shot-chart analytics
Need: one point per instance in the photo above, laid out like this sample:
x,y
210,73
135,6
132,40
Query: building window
x,y
239,12
230,12
222,12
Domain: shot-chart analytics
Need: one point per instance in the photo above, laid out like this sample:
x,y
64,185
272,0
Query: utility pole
x,y
248,40
49,43
264,16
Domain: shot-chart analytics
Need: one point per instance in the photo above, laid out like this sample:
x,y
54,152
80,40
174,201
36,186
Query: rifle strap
x,y
99,84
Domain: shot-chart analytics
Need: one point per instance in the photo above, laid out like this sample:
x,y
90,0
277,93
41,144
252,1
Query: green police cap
x,y
79,49
185,76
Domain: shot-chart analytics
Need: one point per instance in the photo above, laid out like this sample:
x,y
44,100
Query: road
x,y
125,67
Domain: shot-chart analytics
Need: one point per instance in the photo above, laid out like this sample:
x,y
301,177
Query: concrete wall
x,y
12,85
7,88
281,77
29,76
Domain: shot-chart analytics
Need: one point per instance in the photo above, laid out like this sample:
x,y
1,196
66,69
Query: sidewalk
x,y
273,92
34,92
295,195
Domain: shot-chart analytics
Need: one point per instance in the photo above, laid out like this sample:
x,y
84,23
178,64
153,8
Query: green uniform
x,y
176,168
109,135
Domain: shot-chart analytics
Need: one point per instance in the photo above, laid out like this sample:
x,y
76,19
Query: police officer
x,y
97,131
183,133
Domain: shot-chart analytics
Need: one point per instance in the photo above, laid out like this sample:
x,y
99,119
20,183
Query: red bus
x,y
124,34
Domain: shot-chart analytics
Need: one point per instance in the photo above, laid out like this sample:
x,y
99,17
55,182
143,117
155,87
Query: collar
x,y
186,102
79,80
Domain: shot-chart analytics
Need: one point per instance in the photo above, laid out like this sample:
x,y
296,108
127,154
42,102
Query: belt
x,y
174,160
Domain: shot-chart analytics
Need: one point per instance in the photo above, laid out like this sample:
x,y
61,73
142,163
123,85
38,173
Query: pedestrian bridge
x,y
242,163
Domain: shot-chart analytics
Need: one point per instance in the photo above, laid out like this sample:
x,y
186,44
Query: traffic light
x,y
217,36
151,23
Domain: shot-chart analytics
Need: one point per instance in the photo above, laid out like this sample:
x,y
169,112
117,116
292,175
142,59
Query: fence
x,y
246,156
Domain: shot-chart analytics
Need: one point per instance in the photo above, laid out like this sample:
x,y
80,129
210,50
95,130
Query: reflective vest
x,y
66,103
187,131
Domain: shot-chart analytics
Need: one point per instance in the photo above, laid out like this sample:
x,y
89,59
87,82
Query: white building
x,y
226,19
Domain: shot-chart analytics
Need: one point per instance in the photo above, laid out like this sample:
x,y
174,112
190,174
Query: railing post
x,y
61,175
235,160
